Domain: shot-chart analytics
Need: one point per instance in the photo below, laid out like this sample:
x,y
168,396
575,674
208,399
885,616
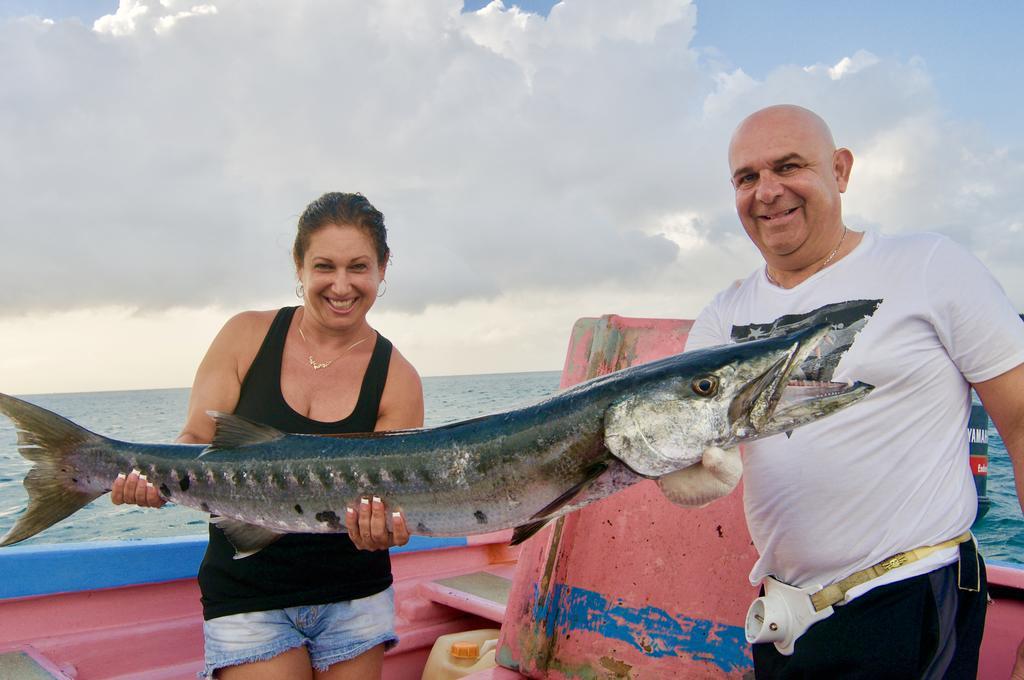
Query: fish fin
x,y
247,539
235,432
550,511
47,440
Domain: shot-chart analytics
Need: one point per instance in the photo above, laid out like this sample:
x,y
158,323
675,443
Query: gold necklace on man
x,y
317,365
831,256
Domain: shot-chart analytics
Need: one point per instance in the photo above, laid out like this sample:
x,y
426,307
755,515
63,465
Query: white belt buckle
x,y
782,615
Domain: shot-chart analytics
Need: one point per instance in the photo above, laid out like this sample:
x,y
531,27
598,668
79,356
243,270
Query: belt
x,y
835,593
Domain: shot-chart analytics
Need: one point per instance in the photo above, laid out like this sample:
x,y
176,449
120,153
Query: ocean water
x,y
157,415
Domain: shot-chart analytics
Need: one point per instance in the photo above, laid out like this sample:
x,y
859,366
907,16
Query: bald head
x,y
785,117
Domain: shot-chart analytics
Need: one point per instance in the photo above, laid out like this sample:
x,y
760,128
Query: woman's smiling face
x,y
340,274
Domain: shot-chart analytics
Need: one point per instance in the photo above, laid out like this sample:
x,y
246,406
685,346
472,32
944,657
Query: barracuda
x,y
519,468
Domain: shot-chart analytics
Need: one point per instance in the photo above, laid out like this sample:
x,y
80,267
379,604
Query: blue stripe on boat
x,y
45,569
653,631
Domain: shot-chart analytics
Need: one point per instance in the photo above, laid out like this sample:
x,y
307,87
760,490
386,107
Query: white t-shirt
x,y
889,473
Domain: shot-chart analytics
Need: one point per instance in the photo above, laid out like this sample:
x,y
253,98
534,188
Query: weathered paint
x,y
654,631
601,345
646,573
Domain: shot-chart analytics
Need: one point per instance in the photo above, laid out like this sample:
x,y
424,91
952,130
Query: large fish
x,y
520,468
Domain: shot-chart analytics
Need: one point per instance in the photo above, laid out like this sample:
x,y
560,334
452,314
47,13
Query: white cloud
x,y
730,87
531,169
683,229
846,66
124,21
183,156
166,23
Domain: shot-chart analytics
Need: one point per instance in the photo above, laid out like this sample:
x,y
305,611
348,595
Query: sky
x,y
536,163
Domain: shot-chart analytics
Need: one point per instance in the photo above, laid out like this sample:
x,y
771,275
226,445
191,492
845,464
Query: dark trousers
x,y
927,626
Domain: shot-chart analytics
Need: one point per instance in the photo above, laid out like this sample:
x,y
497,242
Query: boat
x,y
630,587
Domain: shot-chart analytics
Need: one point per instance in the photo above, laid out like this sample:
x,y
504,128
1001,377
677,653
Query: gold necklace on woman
x,y
317,365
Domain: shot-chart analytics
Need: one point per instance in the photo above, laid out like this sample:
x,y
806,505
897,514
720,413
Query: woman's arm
x,y
401,404
216,387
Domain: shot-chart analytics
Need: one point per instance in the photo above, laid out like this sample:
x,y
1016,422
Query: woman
x,y
315,369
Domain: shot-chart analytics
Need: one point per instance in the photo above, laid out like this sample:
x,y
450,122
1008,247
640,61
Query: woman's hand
x,y
368,526
135,489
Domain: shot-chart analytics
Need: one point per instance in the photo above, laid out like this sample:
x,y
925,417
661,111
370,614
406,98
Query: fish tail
x,y
47,440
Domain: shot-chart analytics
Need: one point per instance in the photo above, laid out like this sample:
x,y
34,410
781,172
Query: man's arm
x,y
1003,398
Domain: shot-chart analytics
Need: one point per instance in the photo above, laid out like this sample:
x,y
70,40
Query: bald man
x,y
838,507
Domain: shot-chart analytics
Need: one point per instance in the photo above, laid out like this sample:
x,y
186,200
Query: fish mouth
x,y
775,401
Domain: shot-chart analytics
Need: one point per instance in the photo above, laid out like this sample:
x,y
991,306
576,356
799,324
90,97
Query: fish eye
x,y
705,385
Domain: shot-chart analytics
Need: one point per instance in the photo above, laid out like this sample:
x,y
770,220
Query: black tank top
x,y
298,569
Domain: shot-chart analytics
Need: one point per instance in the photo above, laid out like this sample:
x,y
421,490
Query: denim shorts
x,y
333,632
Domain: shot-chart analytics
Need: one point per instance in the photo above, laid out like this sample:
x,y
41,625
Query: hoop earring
x,y
380,293
300,292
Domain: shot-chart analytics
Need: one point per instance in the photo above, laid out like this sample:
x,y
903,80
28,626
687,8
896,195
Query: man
x,y
890,474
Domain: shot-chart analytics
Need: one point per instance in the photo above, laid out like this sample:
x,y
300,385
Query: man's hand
x,y
368,526
717,474
135,489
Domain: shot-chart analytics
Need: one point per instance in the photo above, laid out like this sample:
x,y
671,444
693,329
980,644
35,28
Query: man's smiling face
x,y
788,178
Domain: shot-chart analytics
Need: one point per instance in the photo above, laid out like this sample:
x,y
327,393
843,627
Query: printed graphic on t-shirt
x,y
848,318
